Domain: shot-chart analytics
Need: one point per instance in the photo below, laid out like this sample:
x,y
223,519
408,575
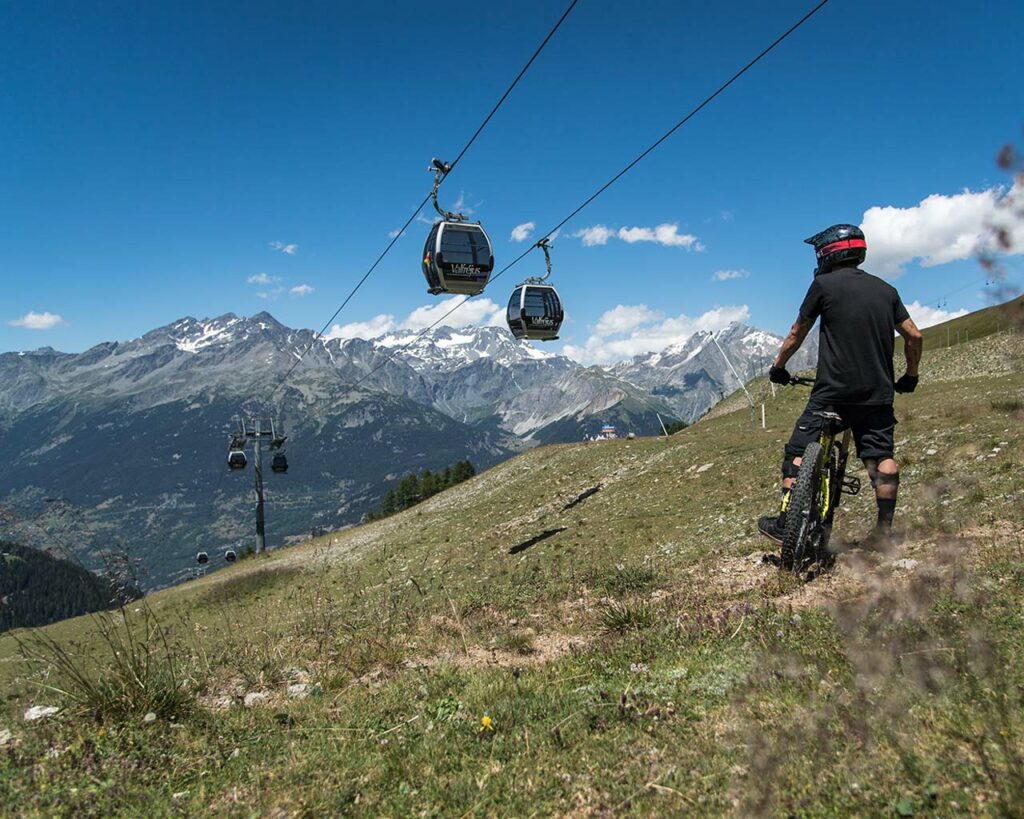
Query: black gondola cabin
x,y
457,258
535,312
236,459
279,463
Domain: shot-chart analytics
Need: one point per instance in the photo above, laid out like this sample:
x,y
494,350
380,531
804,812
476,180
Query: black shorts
x,y
873,427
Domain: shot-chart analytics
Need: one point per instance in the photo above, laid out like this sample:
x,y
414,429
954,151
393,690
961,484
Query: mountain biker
x,y
859,314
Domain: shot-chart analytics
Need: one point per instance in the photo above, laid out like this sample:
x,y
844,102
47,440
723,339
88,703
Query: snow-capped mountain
x,y
694,375
444,349
132,434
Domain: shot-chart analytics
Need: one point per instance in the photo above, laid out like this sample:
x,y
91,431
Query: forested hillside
x,y
37,588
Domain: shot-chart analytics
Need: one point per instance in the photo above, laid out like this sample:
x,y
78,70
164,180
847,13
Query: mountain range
x,y
122,447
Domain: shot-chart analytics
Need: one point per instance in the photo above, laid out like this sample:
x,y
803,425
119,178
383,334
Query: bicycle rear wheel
x,y
803,517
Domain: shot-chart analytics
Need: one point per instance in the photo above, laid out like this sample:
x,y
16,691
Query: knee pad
x,y
885,479
789,469
872,468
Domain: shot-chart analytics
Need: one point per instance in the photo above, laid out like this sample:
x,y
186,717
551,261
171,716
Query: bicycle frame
x,y
835,452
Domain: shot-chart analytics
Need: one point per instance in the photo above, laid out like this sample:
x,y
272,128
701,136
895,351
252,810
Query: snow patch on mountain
x,y
197,335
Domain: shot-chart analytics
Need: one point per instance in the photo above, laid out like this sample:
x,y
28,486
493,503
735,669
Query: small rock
x,y
177,797
235,753
150,717
6,737
254,698
907,563
37,712
705,467
298,691
52,753
931,452
297,675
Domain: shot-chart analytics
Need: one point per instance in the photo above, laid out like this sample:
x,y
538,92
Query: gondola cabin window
x,y
465,245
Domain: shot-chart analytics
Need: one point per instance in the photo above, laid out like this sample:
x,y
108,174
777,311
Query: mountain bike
x,y
820,484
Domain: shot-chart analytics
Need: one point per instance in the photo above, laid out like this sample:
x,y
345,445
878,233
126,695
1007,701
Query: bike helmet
x,y
838,244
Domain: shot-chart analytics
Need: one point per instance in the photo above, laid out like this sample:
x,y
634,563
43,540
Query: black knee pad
x,y
789,469
885,479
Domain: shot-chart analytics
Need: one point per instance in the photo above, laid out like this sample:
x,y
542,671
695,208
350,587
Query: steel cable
x,y
319,334
390,357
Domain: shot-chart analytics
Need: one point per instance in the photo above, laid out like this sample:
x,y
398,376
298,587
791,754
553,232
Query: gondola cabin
x,y
230,556
202,558
535,312
457,258
279,463
236,459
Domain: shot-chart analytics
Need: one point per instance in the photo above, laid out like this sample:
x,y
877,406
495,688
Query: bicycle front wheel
x,y
803,517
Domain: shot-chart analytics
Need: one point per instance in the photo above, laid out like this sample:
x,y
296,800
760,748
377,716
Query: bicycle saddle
x,y
828,415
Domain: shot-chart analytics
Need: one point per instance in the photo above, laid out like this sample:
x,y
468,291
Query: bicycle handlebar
x,y
797,381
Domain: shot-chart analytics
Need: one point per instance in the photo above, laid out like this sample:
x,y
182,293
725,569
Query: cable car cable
x,y
416,213
611,181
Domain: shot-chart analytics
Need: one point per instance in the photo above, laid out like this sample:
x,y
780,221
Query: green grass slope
x,y
999,318
511,648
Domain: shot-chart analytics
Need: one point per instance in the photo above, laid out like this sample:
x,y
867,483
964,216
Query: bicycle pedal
x,y
851,485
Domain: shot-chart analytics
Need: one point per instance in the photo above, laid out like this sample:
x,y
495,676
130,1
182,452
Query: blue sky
x,y
159,156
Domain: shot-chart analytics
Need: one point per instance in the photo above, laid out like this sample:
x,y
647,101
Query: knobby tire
x,y
803,514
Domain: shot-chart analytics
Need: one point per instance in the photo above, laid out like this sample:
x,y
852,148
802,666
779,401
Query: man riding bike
x,y
859,314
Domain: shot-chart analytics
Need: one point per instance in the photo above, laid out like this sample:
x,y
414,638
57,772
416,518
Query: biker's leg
x,y
873,432
885,478
806,430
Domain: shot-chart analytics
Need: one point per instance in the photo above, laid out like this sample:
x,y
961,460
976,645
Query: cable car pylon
x,y
258,430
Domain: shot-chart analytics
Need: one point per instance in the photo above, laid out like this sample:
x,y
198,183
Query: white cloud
x,y
37,321
289,250
270,295
460,206
263,278
939,229
622,318
520,233
427,221
394,233
301,290
728,275
642,330
377,326
477,312
596,235
925,316
665,234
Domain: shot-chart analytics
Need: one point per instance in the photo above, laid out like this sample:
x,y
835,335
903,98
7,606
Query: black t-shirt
x,y
859,314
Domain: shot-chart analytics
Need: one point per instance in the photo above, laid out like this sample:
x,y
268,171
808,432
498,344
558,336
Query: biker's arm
x,y
913,344
797,333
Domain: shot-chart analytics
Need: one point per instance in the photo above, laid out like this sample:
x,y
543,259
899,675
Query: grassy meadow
x,y
510,647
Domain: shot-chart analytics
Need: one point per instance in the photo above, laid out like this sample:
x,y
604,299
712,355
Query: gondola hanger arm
x,y
440,170
545,245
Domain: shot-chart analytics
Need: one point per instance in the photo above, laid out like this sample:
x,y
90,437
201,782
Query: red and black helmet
x,y
837,245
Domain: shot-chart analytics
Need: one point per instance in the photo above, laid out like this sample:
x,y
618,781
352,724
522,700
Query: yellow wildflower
x,y
486,724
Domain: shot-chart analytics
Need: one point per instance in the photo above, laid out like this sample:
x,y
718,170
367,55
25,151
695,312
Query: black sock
x,y
886,510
